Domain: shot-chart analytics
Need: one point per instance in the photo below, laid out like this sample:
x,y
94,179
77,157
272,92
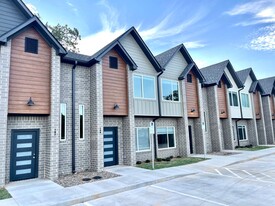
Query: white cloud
x,y
33,9
263,40
201,63
261,11
72,6
194,44
111,29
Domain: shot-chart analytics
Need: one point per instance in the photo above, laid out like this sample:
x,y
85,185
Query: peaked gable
x,y
214,73
40,27
165,57
13,13
268,85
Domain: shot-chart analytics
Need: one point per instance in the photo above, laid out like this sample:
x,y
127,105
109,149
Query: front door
x,y
24,154
110,146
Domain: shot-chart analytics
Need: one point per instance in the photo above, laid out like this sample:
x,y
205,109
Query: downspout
x,y
73,117
159,103
241,111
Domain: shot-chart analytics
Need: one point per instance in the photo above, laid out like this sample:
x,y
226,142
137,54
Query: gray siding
x,y
142,107
145,107
171,108
10,16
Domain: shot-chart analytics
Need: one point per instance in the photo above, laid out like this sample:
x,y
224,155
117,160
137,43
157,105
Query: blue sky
x,y
242,31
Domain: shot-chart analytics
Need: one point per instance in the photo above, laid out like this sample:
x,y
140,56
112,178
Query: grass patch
x,y
172,163
254,148
4,194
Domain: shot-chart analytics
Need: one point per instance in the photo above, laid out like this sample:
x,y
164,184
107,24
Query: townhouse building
x,y
268,107
63,112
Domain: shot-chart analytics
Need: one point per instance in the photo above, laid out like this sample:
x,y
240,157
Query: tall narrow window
x,y
233,99
62,122
142,139
189,78
81,121
245,100
205,123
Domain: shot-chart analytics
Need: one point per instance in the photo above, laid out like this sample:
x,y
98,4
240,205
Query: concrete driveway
x,y
248,183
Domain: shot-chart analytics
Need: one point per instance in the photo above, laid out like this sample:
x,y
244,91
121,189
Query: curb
x,y
115,191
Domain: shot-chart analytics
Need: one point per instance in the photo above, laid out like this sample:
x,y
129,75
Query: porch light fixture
x,y
258,114
116,106
30,102
222,112
193,110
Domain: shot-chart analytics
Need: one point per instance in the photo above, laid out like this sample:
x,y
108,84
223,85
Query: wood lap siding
x,y
29,76
114,86
256,99
222,101
192,96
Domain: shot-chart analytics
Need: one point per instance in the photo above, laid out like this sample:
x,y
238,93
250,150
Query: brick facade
x,y
5,52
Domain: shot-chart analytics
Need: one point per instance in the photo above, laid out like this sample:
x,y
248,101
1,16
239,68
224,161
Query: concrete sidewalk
x,y
45,192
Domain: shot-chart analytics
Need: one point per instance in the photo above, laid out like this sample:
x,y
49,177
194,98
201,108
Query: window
x,y
245,100
31,45
166,137
142,139
234,136
81,122
205,123
189,78
242,132
170,90
144,87
233,99
113,63
62,121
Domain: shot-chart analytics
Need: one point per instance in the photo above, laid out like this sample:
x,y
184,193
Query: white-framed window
x,y
63,116
142,139
81,121
170,90
245,100
144,87
205,121
166,137
242,132
233,99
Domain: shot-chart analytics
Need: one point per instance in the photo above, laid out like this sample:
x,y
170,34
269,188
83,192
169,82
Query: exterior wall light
x,y
193,110
222,112
116,106
30,102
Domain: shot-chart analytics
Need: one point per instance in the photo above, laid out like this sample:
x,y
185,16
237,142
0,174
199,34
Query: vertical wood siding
x,y
114,86
10,16
29,76
221,92
192,96
256,99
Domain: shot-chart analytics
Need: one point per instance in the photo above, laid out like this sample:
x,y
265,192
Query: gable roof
x,y
268,85
23,8
214,73
243,74
86,60
40,27
256,86
165,57
90,60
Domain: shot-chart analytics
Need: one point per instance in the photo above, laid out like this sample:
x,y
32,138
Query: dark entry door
x,y
110,146
190,139
24,154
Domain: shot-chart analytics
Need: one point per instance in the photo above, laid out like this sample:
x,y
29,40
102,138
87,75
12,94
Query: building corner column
x,y
5,55
97,129
129,143
52,151
268,120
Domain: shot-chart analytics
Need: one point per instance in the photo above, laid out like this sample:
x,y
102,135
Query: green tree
x,y
67,36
